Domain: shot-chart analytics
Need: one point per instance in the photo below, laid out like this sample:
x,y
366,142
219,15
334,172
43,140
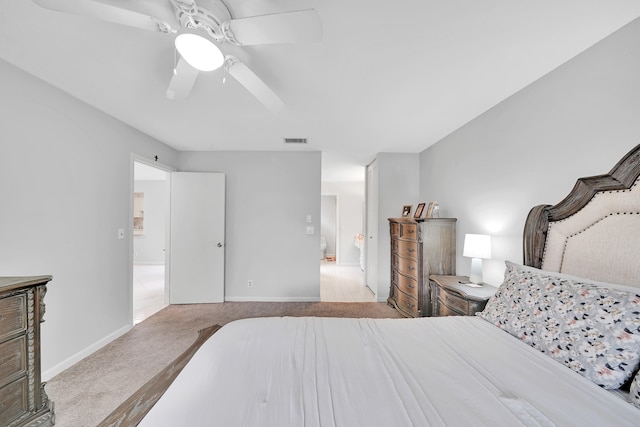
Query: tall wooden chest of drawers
x,y
419,247
23,401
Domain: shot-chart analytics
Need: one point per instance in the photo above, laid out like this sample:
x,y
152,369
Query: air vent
x,y
295,140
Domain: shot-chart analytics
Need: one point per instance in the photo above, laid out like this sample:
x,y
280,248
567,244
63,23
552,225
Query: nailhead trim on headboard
x,y
566,240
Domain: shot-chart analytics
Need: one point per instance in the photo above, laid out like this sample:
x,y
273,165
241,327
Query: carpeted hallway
x,y
91,389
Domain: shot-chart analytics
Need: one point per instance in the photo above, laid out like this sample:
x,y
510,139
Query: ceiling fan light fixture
x,y
198,50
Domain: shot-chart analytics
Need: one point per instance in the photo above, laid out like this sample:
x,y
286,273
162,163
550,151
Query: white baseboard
x,y
272,299
67,363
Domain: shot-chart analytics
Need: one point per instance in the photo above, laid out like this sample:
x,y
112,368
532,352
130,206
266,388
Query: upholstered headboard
x,y
595,231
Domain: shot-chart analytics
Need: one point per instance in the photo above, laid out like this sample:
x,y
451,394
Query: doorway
x,y
341,272
150,204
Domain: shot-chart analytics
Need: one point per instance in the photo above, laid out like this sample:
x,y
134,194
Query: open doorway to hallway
x,y
342,226
150,204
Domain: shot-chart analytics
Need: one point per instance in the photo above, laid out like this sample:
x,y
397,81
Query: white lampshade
x,y
198,50
477,246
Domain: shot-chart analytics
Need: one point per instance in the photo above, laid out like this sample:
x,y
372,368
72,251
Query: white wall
x,y
398,178
350,199
577,121
65,172
268,198
148,248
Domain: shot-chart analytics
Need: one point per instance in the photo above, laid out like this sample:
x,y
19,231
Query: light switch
x,y
309,229
120,233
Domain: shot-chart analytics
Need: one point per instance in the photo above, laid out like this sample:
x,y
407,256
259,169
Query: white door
x,y
197,238
371,235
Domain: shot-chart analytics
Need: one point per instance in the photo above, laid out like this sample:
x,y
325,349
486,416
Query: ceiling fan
x,y
198,29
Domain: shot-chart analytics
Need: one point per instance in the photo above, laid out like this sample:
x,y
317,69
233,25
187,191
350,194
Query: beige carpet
x,y
91,389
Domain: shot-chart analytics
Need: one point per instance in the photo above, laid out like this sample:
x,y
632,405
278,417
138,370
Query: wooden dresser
x,y
419,247
23,401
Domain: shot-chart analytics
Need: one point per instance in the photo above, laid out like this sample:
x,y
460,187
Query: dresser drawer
x,y
406,303
12,315
13,358
453,302
409,231
408,267
407,249
13,401
443,310
395,229
407,285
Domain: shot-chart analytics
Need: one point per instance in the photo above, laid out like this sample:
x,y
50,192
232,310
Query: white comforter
x,y
447,371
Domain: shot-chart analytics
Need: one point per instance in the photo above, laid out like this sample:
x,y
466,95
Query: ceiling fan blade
x,y
289,27
253,84
106,12
182,81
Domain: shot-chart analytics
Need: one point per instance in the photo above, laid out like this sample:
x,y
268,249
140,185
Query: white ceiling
x,y
391,76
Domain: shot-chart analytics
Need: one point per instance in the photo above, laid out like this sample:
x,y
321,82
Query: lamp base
x,y
476,270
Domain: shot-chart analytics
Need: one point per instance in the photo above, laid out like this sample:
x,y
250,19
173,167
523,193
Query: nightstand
x,y
451,296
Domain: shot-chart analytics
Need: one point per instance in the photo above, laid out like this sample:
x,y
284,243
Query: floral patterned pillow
x,y
592,329
634,393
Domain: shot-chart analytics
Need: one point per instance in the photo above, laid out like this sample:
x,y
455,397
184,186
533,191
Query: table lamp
x,y
477,247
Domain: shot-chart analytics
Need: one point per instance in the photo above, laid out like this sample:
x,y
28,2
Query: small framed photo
x,y
419,210
433,210
406,210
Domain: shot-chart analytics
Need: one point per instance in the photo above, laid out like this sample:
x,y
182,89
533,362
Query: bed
x,y
558,345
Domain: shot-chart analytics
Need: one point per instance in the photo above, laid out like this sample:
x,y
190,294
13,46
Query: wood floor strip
x,y
133,410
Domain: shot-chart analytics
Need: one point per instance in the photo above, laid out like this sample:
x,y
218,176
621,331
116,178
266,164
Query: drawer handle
x,y
410,305
411,267
409,285
410,231
410,250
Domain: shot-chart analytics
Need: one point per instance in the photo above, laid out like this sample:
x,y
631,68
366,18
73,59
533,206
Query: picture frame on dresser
x,y
406,210
419,210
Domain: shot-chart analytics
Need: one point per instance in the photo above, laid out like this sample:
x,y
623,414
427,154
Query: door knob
x,y
219,244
